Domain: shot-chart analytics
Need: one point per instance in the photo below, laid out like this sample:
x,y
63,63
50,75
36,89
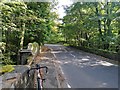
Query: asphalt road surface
x,y
85,70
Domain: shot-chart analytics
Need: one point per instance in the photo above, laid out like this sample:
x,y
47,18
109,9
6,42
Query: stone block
x,y
18,78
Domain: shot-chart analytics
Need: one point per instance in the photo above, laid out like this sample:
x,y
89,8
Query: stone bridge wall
x,y
110,55
19,77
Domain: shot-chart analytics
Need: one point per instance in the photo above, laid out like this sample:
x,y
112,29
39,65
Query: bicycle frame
x,y
39,81
39,75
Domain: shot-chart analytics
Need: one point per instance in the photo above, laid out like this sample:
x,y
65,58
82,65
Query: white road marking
x,y
62,71
72,55
69,85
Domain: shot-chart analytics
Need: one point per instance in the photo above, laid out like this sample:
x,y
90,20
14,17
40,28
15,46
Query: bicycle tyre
x,y
38,84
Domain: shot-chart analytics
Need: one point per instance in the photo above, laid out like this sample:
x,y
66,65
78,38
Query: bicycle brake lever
x,y
46,69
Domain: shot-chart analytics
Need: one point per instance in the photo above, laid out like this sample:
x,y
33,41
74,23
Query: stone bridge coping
x,y
16,79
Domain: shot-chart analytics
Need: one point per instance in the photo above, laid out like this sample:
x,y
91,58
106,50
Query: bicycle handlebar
x,y
38,67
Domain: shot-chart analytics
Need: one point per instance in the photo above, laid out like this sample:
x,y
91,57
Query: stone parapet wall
x,y
18,78
106,54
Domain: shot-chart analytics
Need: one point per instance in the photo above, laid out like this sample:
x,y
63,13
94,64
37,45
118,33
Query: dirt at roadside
x,y
46,58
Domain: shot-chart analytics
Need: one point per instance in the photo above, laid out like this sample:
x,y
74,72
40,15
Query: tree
x,y
92,24
23,23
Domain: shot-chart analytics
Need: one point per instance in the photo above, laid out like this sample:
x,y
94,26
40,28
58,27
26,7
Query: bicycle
x,y
40,78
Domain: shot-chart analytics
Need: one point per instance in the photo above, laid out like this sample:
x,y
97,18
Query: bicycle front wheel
x,y
39,86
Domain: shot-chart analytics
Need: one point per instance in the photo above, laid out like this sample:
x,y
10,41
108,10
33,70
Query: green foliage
x,y
35,47
6,60
92,24
23,23
55,37
7,68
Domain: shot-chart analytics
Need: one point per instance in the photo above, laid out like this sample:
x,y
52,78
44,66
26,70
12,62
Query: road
x,y
85,70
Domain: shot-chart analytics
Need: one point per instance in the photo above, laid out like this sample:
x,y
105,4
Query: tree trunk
x,y
22,38
99,25
99,22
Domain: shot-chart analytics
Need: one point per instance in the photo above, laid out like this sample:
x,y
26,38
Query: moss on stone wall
x,y
7,68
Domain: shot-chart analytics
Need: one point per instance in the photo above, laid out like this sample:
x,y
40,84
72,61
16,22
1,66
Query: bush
x,y
6,59
7,68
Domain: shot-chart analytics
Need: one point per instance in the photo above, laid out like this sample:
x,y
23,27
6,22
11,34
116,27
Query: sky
x,y
60,7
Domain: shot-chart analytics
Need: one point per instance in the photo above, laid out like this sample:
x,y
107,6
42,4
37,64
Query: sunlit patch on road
x,y
44,58
81,68
56,51
103,85
104,63
85,59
